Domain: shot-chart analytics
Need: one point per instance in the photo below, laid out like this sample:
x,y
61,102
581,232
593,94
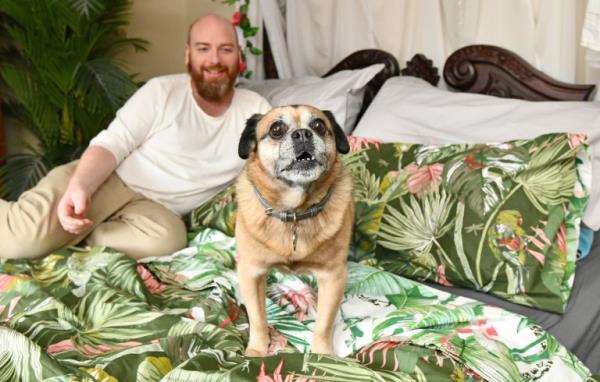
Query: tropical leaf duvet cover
x,y
96,314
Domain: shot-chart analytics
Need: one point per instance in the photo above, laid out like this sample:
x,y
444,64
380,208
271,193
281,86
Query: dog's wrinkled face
x,y
295,144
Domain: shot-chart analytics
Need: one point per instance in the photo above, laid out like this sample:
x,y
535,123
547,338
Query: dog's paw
x,y
254,352
322,347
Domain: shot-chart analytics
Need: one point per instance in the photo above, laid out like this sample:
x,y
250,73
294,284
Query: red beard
x,y
212,90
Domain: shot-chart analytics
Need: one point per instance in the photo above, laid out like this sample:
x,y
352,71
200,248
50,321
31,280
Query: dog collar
x,y
291,216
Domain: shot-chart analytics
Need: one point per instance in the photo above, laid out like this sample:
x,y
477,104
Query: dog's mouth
x,y
303,161
305,156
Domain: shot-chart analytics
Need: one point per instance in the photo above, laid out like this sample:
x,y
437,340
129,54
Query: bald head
x,y
213,22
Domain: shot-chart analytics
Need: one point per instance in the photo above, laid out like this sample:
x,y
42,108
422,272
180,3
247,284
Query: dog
x,y
295,212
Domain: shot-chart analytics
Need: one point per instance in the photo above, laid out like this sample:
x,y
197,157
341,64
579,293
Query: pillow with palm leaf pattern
x,y
500,218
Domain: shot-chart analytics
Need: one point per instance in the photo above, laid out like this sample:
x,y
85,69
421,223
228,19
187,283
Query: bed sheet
x,y
579,327
96,314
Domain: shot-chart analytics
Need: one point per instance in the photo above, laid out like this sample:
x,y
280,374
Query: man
x,y
171,147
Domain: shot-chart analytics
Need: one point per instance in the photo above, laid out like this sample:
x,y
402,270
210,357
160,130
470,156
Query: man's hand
x,y
94,167
72,209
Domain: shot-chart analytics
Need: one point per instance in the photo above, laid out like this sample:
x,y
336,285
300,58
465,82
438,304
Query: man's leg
x,y
30,228
142,228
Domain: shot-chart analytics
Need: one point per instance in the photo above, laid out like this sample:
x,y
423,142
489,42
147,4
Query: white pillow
x,y
408,109
341,93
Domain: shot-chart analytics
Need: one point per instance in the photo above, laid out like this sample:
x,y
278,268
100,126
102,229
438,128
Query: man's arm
x,y
95,166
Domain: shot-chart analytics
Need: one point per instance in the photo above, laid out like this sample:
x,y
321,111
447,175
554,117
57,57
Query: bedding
x,y
408,109
502,218
95,314
341,93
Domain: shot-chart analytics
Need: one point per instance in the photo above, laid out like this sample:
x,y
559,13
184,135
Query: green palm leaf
x,y
374,282
20,173
550,177
61,74
117,272
490,359
481,176
153,369
458,245
365,185
211,365
204,335
86,7
426,317
296,332
433,154
419,223
109,318
20,358
333,369
103,84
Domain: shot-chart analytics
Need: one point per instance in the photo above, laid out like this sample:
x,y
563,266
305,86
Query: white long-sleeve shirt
x,y
169,150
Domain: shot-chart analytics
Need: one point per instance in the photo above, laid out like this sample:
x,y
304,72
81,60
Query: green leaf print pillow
x,y
217,213
500,218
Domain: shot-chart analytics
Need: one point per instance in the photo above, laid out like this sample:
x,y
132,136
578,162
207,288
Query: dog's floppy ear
x,y
248,138
341,142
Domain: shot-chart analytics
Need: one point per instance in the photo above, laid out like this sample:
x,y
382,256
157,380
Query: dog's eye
x,y
318,126
277,130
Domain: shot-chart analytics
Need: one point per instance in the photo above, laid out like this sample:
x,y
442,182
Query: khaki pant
x,y
122,219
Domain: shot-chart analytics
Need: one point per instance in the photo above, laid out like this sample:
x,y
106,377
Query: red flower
x,y
576,139
237,17
425,178
357,143
441,276
242,66
152,284
278,341
303,300
60,346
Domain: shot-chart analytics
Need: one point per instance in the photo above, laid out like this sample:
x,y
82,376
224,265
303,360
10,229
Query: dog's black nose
x,y
302,135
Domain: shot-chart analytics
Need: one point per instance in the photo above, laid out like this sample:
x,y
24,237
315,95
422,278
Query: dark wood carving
x,y
487,69
422,67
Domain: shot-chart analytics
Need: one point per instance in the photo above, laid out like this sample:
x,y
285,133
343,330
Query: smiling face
x,y
213,58
295,144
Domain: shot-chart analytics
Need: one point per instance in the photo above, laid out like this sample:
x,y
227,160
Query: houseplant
x,y
60,78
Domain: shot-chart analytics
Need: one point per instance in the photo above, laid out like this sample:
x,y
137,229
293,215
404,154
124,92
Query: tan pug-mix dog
x,y
295,212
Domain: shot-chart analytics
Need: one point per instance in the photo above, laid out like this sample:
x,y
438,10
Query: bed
x,y
495,71
95,314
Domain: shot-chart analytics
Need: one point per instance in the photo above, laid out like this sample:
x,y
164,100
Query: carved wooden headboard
x,y
482,69
487,69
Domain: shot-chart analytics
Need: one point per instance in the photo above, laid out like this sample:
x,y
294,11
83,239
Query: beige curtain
x,y
320,33
590,40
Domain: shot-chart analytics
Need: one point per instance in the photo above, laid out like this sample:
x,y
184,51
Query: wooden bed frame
x,y
482,69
